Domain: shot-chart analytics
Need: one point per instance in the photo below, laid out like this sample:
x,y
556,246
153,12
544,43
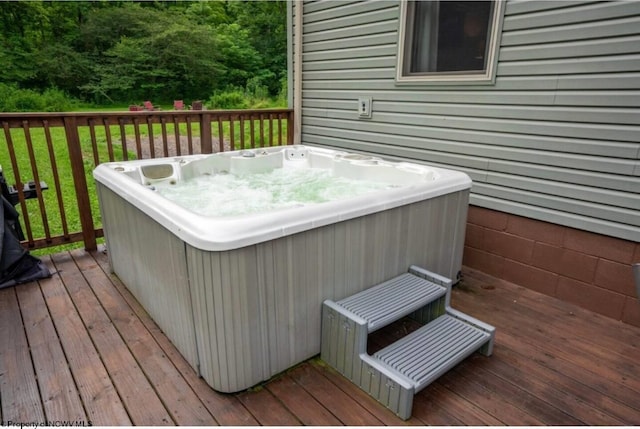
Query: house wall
x,y
555,139
590,270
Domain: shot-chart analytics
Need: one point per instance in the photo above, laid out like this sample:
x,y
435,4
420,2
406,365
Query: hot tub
x,y
238,289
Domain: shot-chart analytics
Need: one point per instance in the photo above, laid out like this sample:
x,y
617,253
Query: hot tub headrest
x,y
261,162
154,173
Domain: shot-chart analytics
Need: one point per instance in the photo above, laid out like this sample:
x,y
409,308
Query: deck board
x,y
267,409
79,346
60,398
98,394
19,393
226,409
136,392
560,347
293,396
174,392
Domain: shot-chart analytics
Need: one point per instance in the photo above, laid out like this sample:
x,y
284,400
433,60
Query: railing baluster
x,y
123,139
165,139
36,180
220,134
19,185
107,133
279,130
270,129
261,116
242,142
136,130
232,143
176,132
56,179
252,130
152,140
94,142
189,136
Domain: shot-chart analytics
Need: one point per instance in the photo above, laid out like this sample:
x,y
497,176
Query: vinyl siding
x,y
556,138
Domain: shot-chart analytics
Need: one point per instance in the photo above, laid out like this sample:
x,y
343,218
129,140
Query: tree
x,y
239,58
266,24
120,51
179,62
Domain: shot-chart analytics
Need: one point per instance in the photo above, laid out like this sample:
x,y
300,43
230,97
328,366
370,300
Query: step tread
x,y
430,351
393,299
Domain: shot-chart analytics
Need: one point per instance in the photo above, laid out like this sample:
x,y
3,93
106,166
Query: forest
x,y
56,54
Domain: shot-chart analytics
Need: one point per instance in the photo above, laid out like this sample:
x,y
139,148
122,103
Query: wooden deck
x,y
78,348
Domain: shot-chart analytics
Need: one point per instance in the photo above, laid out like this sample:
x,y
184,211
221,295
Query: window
x,y
448,41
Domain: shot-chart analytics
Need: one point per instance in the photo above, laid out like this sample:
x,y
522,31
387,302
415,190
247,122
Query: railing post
x,y
80,183
206,146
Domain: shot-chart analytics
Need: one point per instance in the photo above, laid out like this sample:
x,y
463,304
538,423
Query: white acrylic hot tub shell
x,y
224,233
241,297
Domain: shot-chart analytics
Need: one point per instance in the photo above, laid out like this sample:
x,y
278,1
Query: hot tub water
x,y
225,194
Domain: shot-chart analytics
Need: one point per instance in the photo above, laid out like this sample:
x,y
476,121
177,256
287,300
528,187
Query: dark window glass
x,y
447,36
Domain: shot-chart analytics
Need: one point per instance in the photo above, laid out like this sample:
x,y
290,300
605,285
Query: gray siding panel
x,y
332,10
580,14
576,115
454,145
568,205
615,46
600,132
555,138
352,21
516,7
351,64
350,54
351,31
385,90
352,42
608,64
590,31
604,81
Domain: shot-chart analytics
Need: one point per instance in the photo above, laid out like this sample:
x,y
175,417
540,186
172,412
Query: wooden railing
x,y
62,149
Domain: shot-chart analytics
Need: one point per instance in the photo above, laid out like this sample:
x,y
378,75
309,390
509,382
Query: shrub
x,y
256,89
14,99
229,99
283,94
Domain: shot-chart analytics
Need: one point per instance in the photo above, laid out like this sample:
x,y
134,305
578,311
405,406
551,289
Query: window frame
x,y
458,78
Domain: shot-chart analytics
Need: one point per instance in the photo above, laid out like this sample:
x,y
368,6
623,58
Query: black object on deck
x,y
16,264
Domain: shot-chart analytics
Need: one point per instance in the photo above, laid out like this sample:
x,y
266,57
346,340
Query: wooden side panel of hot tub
x,y
257,309
151,262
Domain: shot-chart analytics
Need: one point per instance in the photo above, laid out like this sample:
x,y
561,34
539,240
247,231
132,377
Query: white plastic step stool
x,y
394,374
